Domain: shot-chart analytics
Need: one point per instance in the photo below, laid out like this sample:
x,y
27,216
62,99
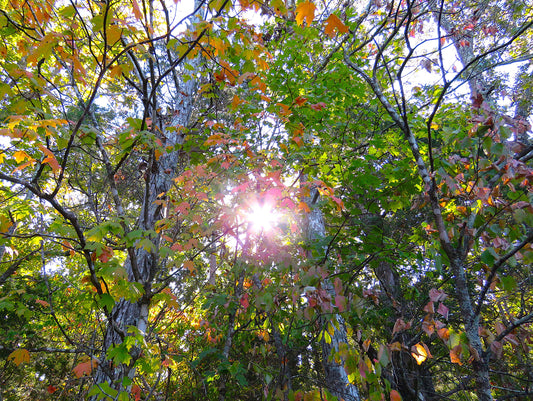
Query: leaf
x,y
437,295
305,10
189,265
84,368
136,10
19,356
420,352
455,354
136,392
429,308
443,310
395,396
51,389
340,302
50,158
318,106
43,303
334,23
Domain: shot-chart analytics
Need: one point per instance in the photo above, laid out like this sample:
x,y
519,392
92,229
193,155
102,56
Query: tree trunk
x,y
143,265
336,378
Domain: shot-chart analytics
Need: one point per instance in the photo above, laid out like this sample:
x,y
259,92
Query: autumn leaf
x,y
305,10
84,368
455,354
189,265
420,352
43,303
395,396
443,310
334,23
437,295
136,10
19,356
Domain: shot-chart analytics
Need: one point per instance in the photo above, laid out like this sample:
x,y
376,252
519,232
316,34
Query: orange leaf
x,y
455,354
303,206
333,22
19,356
51,389
84,368
395,396
189,265
420,353
50,158
305,10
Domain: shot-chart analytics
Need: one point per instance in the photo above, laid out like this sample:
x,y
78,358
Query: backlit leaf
x,y
305,11
332,24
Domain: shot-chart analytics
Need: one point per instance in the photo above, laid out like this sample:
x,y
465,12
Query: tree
x,y
276,200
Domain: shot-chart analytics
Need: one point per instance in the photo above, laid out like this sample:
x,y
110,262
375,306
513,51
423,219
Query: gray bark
x,y
336,378
143,265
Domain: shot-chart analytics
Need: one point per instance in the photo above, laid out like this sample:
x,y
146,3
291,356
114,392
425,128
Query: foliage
x,y
387,140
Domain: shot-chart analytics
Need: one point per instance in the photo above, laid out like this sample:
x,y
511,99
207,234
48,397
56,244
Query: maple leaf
x,y
51,389
318,106
334,23
84,368
19,356
305,10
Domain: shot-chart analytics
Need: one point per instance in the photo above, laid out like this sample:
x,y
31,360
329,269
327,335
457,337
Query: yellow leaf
x,y
418,351
19,356
334,23
434,125
305,10
20,155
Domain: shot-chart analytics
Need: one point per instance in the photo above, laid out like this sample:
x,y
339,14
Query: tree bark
x,y
336,378
143,265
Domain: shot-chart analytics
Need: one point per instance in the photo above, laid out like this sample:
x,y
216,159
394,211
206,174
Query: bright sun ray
x,y
262,217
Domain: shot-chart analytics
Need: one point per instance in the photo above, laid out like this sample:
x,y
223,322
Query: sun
x,y
262,217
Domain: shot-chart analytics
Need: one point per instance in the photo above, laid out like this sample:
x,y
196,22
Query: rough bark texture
x,y
143,265
336,378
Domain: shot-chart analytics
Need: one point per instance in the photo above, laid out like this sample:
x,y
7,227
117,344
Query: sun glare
x,y
262,217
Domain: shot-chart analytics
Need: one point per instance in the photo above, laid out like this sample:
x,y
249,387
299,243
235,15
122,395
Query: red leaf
x,y
136,391
340,302
395,396
429,308
244,301
318,106
443,310
51,389
437,295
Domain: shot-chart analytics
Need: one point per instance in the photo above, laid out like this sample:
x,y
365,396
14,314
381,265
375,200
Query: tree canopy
x,y
293,200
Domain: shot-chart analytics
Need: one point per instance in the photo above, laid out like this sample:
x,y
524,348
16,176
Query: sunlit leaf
x,y
305,11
